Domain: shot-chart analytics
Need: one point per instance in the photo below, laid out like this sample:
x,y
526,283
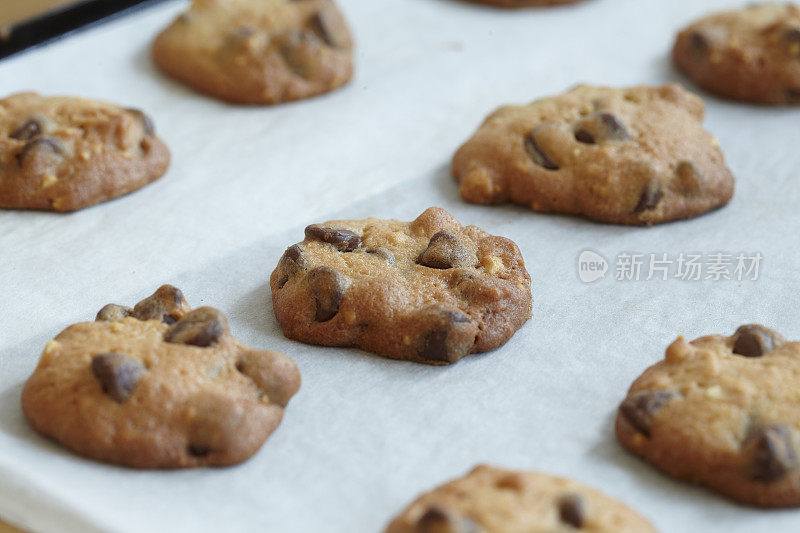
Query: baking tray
x,y
62,19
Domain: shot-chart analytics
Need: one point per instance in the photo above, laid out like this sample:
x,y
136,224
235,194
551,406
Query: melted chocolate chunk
x,y
118,374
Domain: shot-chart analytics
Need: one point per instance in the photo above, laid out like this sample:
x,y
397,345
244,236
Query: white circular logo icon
x,y
591,266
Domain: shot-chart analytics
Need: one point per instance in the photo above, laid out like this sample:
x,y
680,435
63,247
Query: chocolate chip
x,y
202,327
29,130
293,259
445,251
198,451
793,94
147,122
536,154
292,262
237,42
383,253
113,313
442,342
51,144
166,304
328,25
640,408
753,340
243,32
341,239
294,253
434,346
328,288
614,128
118,374
651,195
440,520
572,510
600,128
298,50
699,43
792,38
689,176
770,453
584,136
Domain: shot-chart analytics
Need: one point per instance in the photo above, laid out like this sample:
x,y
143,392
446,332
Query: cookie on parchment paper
x,y
624,156
258,51
63,153
494,500
750,54
429,290
158,386
722,411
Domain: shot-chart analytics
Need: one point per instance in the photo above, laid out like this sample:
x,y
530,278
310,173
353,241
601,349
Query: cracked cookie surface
x,y
430,290
624,156
494,500
258,51
63,154
722,412
750,54
158,386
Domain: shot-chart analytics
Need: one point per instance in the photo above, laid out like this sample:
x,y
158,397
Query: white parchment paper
x,y
366,435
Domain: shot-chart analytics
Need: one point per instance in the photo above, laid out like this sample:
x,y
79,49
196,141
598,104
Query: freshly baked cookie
x,y
430,290
158,386
491,500
258,51
722,412
750,54
63,154
623,156
524,3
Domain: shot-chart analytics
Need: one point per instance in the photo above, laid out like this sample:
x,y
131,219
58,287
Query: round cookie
x,y
722,412
623,156
430,290
524,3
492,500
63,154
158,386
258,51
750,54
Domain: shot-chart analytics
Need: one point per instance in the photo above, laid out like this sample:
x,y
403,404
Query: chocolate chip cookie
x,y
524,3
492,500
158,386
750,54
63,154
430,290
258,51
722,412
623,156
